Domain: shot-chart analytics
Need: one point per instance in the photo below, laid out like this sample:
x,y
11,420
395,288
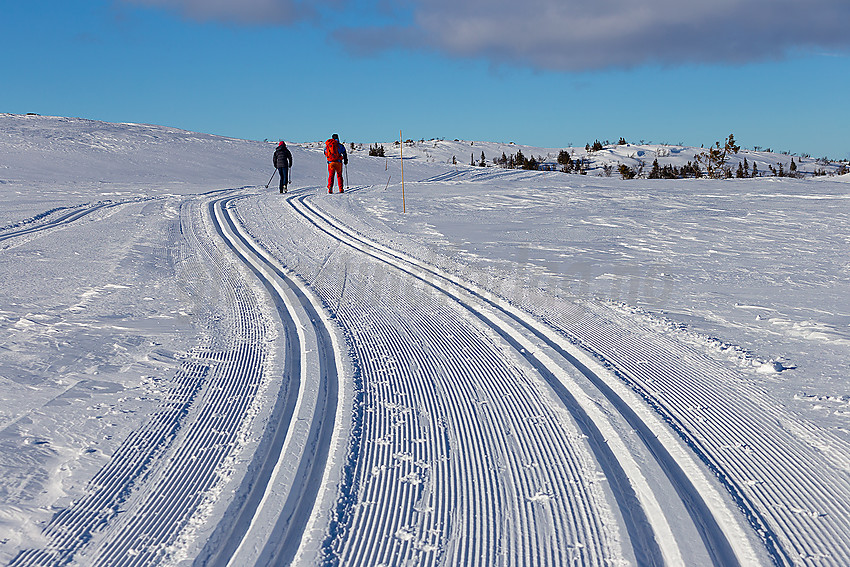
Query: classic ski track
x,y
510,460
280,495
141,502
63,219
787,496
163,471
721,536
464,458
779,470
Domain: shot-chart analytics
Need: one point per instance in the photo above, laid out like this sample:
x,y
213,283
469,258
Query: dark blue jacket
x,y
282,157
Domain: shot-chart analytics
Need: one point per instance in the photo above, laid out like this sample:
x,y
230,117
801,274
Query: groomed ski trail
x,y
465,457
269,524
776,468
152,499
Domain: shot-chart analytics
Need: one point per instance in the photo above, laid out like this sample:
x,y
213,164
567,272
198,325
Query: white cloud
x,y
578,35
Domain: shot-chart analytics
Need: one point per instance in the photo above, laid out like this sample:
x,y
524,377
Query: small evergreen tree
x,y
655,172
626,172
519,160
715,158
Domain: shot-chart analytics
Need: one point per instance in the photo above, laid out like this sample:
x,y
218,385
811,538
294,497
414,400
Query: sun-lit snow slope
x,y
74,154
149,378
540,368
780,451
634,155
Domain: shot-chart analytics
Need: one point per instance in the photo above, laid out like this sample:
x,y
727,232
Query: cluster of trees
x,y
693,170
515,161
779,170
597,145
715,158
668,171
713,163
570,165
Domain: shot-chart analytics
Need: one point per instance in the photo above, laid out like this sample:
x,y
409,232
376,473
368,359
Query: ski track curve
x,y
141,507
313,400
778,469
638,525
57,218
463,459
412,521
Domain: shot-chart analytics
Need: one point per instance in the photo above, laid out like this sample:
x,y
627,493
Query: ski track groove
x,y
760,455
721,554
419,479
163,470
63,219
311,435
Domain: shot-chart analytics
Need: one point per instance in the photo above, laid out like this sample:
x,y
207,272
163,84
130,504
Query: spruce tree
x,y
655,173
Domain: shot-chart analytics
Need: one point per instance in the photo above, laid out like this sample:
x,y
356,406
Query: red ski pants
x,y
334,167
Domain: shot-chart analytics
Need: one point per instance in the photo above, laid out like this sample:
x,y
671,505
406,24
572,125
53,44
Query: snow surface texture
x,y
524,368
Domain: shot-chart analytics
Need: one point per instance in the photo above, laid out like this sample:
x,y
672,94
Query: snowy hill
x,y
487,366
46,149
632,155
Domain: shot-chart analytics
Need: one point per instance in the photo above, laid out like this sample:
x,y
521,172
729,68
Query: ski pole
x,y
270,179
347,186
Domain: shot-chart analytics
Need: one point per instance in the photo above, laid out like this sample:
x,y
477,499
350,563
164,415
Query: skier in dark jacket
x,y
283,161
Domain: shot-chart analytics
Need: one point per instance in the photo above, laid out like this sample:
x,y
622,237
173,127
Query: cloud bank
x,y
244,12
577,35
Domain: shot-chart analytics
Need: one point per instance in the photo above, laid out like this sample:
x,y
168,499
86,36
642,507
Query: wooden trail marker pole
x,y
401,154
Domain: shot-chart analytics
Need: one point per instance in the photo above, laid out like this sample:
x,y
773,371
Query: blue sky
x,y
776,73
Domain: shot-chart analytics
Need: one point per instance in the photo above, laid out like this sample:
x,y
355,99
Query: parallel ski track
x,y
712,533
163,472
64,218
460,443
748,442
284,539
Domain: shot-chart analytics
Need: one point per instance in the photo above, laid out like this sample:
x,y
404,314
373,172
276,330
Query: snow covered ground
x,y
498,367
